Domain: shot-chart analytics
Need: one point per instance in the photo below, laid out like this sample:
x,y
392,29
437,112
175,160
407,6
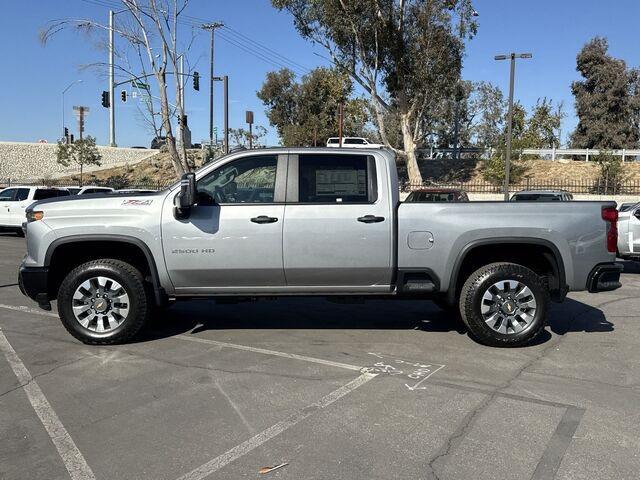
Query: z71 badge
x,y
137,203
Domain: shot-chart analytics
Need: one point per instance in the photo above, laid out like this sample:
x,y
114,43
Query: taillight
x,y
610,215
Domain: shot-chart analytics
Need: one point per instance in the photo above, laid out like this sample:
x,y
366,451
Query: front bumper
x,y
33,282
604,277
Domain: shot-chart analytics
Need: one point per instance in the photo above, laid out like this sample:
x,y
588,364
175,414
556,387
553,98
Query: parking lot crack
x,y
44,374
439,460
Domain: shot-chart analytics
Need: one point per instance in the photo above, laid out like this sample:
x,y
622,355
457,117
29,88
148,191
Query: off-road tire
x,y
129,278
471,300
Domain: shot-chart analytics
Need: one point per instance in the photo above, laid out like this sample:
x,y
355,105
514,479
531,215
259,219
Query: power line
x,y
233,37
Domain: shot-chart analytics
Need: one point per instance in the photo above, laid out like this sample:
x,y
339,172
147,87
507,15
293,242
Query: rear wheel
x,y
504,304
103,302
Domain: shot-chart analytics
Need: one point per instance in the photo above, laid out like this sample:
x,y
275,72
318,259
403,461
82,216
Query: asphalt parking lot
x,y
377,390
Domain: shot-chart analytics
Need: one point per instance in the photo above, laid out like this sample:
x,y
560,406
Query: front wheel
x,y
103,302
504,305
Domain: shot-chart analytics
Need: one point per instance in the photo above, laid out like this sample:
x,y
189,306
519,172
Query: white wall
x,y
25,161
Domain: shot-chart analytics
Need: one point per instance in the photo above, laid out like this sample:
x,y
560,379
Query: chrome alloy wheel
x,y
508,307
100,304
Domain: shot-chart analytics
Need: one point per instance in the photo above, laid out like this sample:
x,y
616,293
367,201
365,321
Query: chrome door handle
x,y
370,219
264,219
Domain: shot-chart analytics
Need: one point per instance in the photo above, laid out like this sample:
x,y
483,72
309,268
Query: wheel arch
x,y
121,247
505,249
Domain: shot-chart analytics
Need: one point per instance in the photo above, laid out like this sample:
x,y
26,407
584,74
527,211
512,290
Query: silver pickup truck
x,y
327,222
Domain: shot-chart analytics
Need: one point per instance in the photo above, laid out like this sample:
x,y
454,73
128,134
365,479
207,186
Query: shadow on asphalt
x,y
197,316
630,266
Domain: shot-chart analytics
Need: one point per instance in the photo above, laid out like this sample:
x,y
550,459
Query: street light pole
x,y
507,160
212,28
63,92
112,88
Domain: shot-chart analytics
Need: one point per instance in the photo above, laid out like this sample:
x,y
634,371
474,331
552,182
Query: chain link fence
x,y
113,182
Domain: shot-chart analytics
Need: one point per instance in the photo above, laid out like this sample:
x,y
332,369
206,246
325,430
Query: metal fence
x,y
600,186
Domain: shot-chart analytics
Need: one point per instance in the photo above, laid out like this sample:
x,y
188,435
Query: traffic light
x,y
123,95
105,99
66,132
196,81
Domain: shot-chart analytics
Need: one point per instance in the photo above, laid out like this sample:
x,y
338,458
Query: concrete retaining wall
x,y
26,161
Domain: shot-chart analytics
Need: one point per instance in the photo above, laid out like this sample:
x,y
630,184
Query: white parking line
x,y
23,309
264,351
71,457
226,458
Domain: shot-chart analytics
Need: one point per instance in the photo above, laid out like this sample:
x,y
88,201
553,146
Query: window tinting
x,y
333,140
354,141
43,193
8,195
23,194
246,180
333,179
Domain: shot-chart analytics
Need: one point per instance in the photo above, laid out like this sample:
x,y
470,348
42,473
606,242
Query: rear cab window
x,y
326,178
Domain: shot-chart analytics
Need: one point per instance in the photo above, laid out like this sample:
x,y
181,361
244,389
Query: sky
x,y
34,76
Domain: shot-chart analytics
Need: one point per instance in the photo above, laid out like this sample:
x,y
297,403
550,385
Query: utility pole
x,y
225,81
507,160
249,120
340,122
112,87
212,28
81,111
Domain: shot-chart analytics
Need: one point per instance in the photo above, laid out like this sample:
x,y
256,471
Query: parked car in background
x,y
437,195
14,202
75,190
158,142
542,196
352,142
629,232
626,206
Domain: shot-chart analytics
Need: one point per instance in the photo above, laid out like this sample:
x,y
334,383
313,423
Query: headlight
x,y
34,215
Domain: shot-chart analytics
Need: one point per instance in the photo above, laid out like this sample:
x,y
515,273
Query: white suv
x,y
15,200
352,142
75,190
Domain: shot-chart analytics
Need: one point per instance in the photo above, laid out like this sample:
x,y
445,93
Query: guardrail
x,y
542,153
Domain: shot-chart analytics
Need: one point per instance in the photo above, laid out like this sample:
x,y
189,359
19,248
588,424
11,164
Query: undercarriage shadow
x,y
197,316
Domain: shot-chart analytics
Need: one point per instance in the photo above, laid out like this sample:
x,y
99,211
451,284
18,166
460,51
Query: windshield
x,y
431,197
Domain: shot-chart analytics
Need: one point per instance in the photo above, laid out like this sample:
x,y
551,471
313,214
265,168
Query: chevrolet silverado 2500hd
x,y
328,222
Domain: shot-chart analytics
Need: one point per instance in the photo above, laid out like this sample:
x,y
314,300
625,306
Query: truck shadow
x,y
630,266
197,316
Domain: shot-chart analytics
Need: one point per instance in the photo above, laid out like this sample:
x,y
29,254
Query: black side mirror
x,y
637,214
187,196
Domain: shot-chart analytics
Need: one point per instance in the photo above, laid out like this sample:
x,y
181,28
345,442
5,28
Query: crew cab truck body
x,y
277,222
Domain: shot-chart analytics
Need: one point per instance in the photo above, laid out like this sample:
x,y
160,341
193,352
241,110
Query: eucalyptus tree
x,y
406,54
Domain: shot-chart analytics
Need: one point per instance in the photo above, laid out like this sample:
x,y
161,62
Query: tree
x,y
81,152
487,108
543,125
240,136
493,170
403,53
308,110
150,29
606,100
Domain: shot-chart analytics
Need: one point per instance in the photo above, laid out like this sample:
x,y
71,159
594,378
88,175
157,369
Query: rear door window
x,y
23,194
336,179
354,141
